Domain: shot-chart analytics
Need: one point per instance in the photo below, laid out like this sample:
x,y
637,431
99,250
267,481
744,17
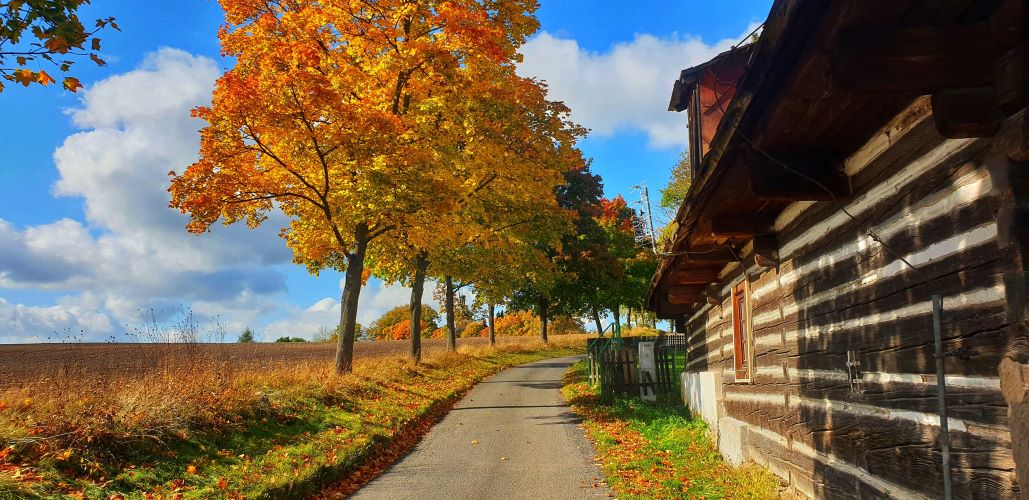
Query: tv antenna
x,y
645,226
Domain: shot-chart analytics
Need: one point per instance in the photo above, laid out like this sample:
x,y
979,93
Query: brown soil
x,y
21,363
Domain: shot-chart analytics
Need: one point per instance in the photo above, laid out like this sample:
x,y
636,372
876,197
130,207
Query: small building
x,y
856,160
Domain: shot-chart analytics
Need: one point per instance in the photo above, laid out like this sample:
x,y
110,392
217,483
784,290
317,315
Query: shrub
x,y
396,323
247,337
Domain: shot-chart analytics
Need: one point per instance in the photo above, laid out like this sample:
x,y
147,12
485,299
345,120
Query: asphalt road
x,y
511,437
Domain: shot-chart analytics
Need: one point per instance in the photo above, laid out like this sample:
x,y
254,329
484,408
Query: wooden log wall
x,y
837,291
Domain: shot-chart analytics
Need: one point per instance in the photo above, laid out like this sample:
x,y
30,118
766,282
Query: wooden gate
x,y
614,365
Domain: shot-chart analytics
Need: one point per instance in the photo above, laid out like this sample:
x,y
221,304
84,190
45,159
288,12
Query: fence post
x,y
648,371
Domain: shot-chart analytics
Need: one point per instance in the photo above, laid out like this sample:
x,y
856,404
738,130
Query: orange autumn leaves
x,y
381,129
50,34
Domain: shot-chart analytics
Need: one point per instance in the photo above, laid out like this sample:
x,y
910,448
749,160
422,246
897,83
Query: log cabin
x,y
858,159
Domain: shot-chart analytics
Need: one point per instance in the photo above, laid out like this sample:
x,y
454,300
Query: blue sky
x,y
86,240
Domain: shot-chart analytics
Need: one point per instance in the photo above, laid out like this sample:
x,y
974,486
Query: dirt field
x,y
26,363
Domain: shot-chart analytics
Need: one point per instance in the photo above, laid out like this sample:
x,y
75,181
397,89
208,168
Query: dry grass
x,y
81,434
32,363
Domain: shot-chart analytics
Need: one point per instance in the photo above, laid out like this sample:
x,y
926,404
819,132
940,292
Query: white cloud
x,y
25,324
623,89
132,251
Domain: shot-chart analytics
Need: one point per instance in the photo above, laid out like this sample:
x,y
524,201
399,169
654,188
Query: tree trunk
x,y
348,303
544,306
421,263
492,326
596,320
617,313
628,318
451,326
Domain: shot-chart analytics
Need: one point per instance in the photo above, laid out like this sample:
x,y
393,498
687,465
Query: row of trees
x,y
400,142
469,321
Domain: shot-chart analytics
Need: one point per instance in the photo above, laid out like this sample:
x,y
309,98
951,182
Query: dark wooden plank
x,y
793,177
735,226
1012,83
898,451
967,112
875,58
766,250
710,255
685,294
698,276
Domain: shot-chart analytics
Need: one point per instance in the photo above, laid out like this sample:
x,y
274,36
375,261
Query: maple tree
x,y
501,270
567,290
633,258
344,116
493,188
493,264
46,32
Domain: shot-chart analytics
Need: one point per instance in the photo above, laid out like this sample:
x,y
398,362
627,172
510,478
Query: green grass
x,y
657,450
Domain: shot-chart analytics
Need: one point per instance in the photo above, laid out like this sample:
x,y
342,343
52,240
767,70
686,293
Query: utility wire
x,y
867,231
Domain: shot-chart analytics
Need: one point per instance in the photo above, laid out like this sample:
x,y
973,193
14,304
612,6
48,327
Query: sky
x,y
88,245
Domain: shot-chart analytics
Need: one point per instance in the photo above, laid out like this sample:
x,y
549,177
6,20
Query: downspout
x,y
941,390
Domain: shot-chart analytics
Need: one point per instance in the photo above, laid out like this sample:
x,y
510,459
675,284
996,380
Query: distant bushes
x,y
396,324
525,323
290,339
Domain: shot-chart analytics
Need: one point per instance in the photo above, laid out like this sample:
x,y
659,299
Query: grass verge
x,y
649,450
282,431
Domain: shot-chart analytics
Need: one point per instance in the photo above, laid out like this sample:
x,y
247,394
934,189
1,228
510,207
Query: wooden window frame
x,y
742,332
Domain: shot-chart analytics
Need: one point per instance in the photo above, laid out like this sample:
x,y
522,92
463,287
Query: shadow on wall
x,y
885,324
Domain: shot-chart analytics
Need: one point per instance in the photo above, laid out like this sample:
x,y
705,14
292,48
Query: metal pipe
x,y
941,390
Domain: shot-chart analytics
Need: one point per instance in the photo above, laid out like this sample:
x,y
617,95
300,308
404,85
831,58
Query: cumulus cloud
x,y
62,322
623,89
132,250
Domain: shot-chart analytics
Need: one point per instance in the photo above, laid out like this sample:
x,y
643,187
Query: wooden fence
x,y
614,365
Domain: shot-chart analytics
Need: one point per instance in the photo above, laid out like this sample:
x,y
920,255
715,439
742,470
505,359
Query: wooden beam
x,y
680,97
733,226
694,277
766,251
1020,151
666,310
796,177
714,295
914,59
681,295
1008,22
709,255
966,112
1012,83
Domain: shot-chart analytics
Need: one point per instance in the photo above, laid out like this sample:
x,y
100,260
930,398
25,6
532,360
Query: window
x,y
741,331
